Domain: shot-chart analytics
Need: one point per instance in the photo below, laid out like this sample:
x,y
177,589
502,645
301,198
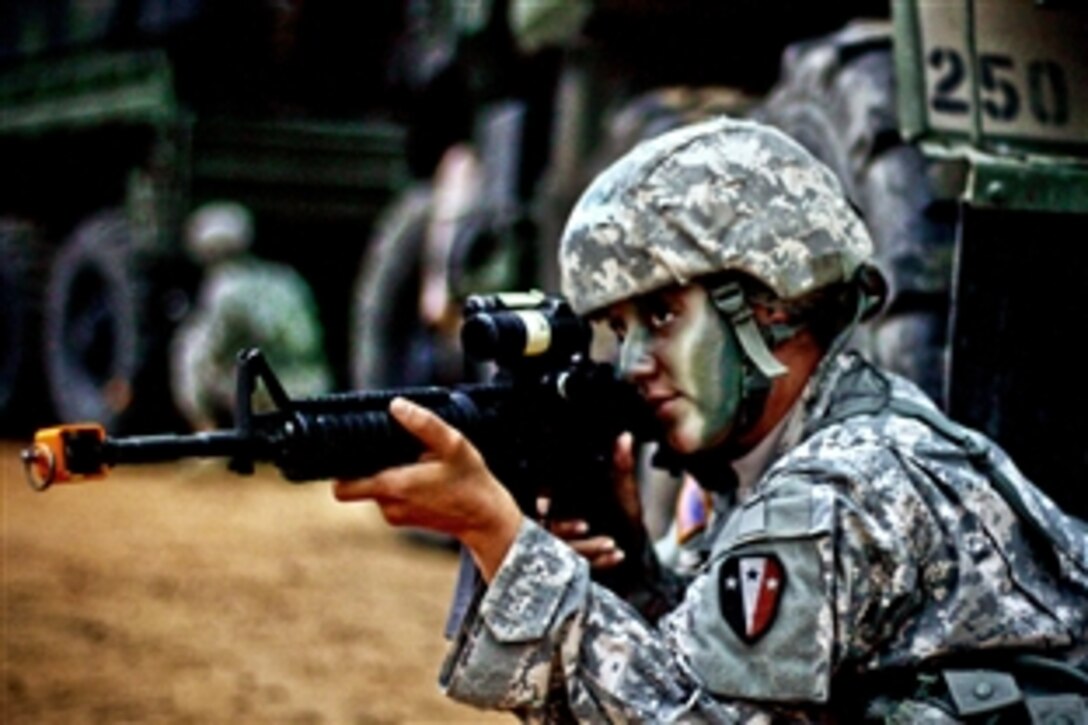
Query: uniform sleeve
x,y
545,637
804,581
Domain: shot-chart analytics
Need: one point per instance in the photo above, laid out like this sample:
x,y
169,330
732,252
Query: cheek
x,y
699,361
703,371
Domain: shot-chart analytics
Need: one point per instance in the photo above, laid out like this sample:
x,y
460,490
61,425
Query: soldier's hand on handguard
x,y
449,490
601,551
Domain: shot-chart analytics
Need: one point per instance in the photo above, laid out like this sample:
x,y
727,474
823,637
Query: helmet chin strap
x,y
759,367
729,300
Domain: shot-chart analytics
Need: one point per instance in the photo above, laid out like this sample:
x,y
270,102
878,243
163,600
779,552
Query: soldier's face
x,y
684,359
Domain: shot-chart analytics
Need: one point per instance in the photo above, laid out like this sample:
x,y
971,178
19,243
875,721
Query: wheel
x,y
837,97
390,346
103,342
24,402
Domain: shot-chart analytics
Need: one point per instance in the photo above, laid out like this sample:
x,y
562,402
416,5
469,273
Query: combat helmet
x,y
715,196
217,230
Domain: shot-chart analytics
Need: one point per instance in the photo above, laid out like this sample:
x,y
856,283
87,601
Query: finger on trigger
x,y
594,547
609,559
569,527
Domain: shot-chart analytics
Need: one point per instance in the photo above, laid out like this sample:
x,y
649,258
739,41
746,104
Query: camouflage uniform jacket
x,y
872,542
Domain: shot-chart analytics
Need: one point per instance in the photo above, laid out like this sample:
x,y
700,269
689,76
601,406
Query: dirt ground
x,y
184,594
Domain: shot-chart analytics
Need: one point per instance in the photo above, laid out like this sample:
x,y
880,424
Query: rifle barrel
x,y
163,448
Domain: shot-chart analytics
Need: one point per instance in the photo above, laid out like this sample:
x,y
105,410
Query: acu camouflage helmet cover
x,y
719,195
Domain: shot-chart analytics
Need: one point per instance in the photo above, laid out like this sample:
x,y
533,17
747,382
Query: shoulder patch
x,y
750,588
692,510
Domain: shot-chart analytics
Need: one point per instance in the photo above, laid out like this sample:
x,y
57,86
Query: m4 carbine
x,y
546,423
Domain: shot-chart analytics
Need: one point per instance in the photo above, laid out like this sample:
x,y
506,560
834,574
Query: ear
x,y
770,315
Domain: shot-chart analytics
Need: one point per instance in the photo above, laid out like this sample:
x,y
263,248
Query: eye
x,y
659,315
618,328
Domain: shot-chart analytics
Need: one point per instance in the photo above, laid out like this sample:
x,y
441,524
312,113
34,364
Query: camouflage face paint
x,y
705,361
686,362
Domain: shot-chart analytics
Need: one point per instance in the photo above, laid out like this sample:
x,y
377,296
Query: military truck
x,y
116,119
999,90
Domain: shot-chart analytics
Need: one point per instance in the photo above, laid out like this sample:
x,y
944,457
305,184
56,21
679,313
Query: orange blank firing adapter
x,y
65,454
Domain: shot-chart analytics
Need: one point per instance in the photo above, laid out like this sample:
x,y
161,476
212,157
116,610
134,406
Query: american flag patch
x,y
692,510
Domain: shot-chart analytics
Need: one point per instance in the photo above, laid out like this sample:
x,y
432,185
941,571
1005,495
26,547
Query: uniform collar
x,y
816,399
751,466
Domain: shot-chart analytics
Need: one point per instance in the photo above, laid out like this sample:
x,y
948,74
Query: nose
x,y
636,360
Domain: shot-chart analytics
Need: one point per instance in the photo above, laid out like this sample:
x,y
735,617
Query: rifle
x,y
546,422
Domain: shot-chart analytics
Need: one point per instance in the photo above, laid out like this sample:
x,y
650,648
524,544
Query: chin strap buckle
x,y
729,300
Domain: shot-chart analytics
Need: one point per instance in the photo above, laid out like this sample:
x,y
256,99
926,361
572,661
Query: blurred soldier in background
x,y
243,302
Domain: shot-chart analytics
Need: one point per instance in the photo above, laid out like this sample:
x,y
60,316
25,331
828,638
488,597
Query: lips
x,y
662,403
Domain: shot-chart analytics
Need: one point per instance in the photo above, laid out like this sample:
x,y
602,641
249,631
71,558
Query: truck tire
x,y
837,97
389,345
24,402
100,336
